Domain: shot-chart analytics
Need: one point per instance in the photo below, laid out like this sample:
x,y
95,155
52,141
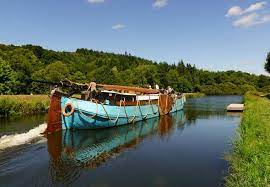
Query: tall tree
x,y
7,78
267,64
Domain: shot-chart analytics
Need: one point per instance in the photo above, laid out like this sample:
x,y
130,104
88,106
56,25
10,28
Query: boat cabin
x,y
109,97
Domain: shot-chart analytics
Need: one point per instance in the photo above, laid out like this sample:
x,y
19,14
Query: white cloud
x,y
160,3
256,6
250,16
251,20
246,21
96,1
234,11
118,26
238,11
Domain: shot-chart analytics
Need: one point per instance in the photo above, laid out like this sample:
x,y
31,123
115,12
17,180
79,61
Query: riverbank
x,y
22,105
194,95
249,162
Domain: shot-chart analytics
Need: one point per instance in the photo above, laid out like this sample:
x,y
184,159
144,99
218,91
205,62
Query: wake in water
x,y
19,139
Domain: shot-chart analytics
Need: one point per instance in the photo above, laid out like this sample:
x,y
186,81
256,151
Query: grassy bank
x,y
22,105
194,95
250,160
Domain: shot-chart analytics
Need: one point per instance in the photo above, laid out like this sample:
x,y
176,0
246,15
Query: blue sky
x,y
212,34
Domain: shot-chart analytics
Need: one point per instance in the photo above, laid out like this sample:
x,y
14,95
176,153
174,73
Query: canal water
x,y
185,149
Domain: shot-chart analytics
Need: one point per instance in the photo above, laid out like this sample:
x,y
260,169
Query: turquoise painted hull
x,y
89,115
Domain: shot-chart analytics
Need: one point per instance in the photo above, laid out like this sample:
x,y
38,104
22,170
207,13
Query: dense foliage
x,y
7,77
267,64
19,64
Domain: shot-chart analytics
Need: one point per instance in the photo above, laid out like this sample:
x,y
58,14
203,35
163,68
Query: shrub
x,y
13,106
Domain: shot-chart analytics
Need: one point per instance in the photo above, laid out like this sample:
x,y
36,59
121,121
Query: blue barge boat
x,y
109,106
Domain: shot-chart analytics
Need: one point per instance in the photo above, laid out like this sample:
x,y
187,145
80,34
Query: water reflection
x,y
184,149
72,151
211,107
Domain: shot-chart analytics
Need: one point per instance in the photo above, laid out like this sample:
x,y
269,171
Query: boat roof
x,y
119,93
122,89
108,91
118,88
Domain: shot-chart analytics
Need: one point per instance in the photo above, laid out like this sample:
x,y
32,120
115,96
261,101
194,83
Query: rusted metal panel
x,y
166,103
54,119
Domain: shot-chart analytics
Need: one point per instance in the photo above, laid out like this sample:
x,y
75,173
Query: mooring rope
x,y
149,103
114,121
119,109
138,106
153,107
133,118
125,110
93,116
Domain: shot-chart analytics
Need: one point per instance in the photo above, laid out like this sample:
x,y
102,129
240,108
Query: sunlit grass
x,y
250,160
22,105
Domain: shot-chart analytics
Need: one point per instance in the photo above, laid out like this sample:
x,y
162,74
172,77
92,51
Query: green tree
x,y
7,78
263,81
173,79
246,87
78,77
56,71
184,85
86,65
24,63
265,89
145,74
267,64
